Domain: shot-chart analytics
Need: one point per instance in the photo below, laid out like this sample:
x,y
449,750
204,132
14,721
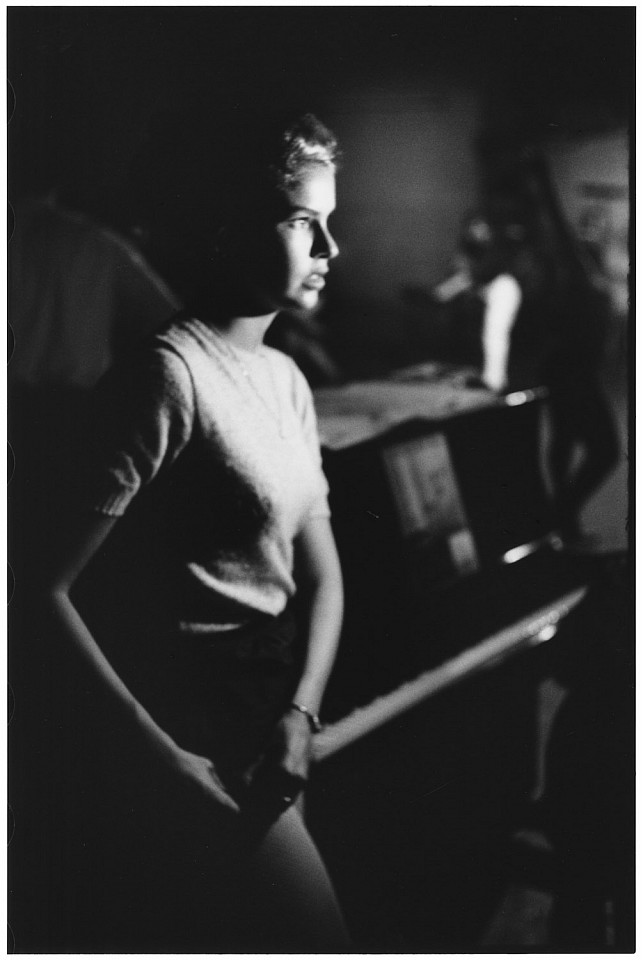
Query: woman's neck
x,y
244,329
246,333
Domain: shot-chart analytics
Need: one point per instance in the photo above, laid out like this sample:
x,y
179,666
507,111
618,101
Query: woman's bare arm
x,y
320,583
322,587
92,531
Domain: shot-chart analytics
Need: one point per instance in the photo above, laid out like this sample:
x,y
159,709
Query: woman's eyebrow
x,y
294,208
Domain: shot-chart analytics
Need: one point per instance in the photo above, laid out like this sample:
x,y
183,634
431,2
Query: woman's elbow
x,y
52,593
331,586
325,582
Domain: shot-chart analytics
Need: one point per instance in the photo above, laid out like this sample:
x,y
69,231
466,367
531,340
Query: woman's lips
x,y
315,282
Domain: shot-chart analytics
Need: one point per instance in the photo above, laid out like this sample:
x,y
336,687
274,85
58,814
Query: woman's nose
x,y
324,245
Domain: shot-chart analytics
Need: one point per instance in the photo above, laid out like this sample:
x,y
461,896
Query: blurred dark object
x,y
78,294
589,799
447,783
271,791
558,278
586,811
428,518
303,337
519,191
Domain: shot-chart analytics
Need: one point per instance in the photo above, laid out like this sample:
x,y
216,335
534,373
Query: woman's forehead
x,y
313,188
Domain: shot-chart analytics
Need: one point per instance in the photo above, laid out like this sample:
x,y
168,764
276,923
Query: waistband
x,y
270,638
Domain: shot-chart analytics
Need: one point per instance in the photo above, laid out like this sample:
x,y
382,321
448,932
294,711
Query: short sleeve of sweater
x,y
141,420
303,400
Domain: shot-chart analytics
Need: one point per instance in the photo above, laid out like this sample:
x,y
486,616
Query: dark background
x,y
411,91
86,81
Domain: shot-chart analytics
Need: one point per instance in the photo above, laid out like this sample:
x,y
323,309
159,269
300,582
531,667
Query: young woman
x,y
208,439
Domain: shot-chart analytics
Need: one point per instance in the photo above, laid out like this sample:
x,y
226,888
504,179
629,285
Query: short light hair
x,y
300,142
203,172
256,158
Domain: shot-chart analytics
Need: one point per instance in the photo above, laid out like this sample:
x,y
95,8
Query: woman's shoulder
x,y
151,373
154,371
182,334
183,342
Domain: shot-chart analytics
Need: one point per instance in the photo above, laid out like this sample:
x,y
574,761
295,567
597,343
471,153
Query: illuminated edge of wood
x,y
365,719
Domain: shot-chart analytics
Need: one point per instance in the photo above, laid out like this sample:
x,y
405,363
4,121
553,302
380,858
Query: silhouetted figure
x,y
78,295
303,338
581,419
553,267
496,323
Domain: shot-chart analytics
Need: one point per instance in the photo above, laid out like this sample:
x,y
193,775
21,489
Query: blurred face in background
x,y
482,256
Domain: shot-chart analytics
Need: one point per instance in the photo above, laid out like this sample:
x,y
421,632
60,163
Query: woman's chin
x,y
307,299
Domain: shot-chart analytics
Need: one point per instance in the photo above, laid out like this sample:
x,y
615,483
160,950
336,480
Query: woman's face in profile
x,y
293,253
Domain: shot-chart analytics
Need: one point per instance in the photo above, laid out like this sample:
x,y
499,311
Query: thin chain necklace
x,y
233,354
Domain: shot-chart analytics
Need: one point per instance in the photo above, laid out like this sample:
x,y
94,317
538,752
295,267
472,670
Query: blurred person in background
x,y
79,294
584,447
524,311
303,337
488,310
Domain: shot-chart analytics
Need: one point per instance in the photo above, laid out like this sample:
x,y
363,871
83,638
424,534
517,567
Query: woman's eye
x,y
299,222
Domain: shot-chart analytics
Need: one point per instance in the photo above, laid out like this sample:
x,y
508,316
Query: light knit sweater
x,y
233,436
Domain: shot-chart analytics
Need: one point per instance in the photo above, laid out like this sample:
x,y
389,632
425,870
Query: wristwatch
x,y
313,720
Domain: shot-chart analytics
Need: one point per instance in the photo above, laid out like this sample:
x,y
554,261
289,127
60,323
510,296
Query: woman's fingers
x,y
201,771
221,793
296,764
